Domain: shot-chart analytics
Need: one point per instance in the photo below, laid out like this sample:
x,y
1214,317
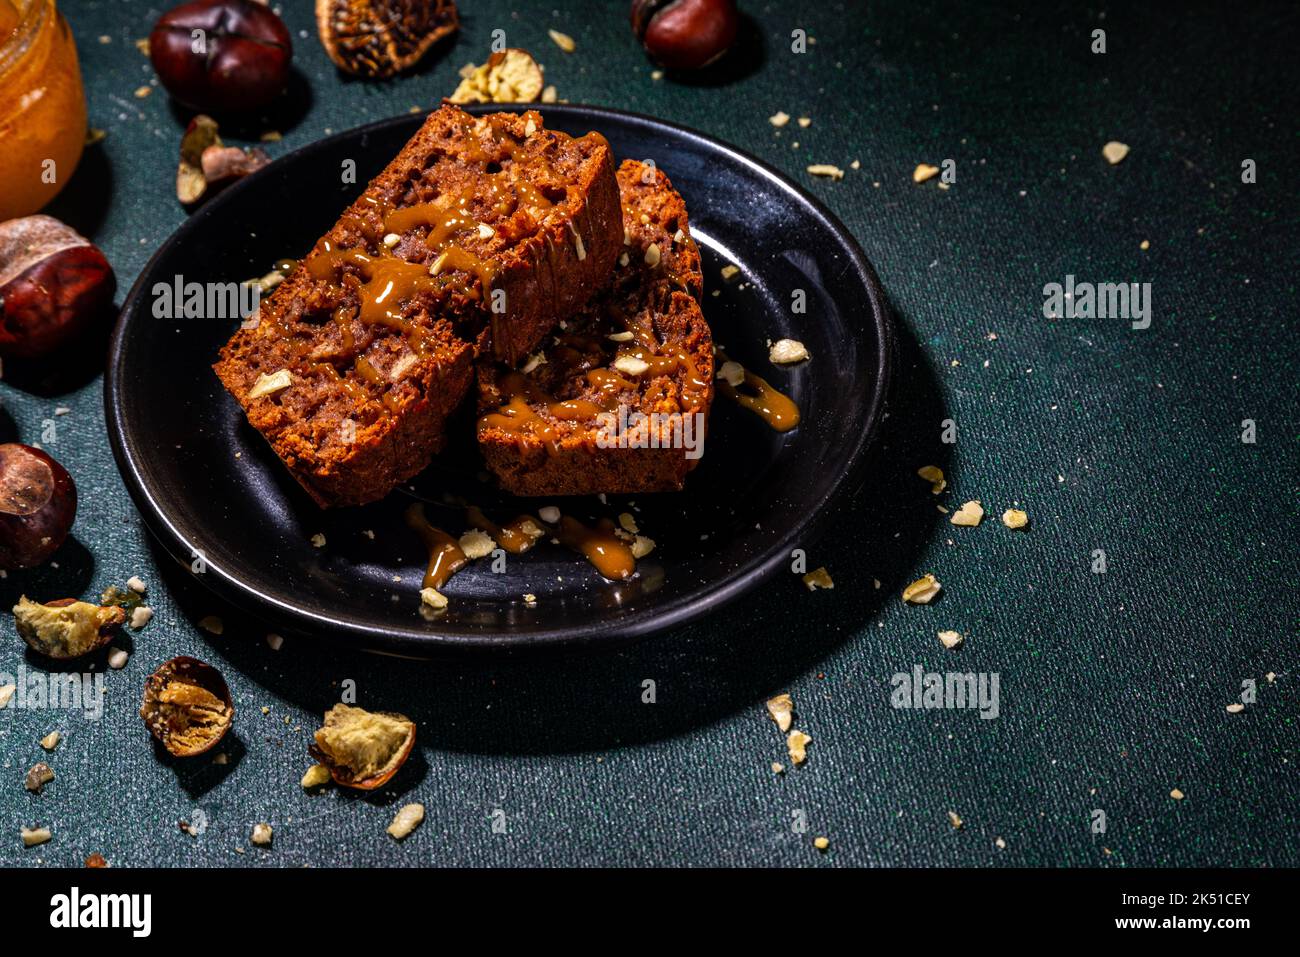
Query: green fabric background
x,y
1113,686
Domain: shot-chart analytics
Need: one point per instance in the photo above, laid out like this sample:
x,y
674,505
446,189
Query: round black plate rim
x,y
406,642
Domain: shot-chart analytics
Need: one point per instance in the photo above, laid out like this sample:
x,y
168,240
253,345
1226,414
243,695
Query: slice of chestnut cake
x,y
478,236
618,399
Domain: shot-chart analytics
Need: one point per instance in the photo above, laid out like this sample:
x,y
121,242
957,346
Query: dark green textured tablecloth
x,y
1112,686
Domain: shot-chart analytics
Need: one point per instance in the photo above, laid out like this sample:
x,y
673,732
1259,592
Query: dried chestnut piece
x,y
38,502
377,38
54,283
685,34
66,628
187,706
96,860
236,62
207,164
363,749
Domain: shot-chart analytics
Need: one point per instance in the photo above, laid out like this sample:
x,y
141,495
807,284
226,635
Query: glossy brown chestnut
x,y
38,502
53,286
221,56
685,34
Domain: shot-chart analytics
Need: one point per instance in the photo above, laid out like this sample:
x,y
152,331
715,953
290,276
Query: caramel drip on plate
x,y
513,537
445,556
772,406
600,546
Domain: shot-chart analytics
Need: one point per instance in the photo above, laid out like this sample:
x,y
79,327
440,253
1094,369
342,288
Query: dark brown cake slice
x,y
477,237
566,422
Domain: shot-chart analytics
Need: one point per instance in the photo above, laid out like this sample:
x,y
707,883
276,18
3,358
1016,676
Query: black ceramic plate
x,y
208,485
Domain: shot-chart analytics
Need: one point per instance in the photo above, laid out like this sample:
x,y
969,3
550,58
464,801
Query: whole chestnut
x,y
53,285
685,34
221,56
38,502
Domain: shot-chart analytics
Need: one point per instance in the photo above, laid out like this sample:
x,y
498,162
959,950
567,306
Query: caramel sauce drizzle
x,y
774,407
513,537
445,555
600,546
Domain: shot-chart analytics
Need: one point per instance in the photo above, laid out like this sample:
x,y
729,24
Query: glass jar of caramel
x,y
42,106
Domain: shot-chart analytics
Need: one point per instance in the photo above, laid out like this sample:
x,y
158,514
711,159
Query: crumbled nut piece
x,y
316,775
923,172
96,860
1114,151
6,694
631,365
729,272
270,384
1235,708
623,336
137,585
549,514
142,91
274,642
1144,245
262,835
117,658
781,708
1000,843
818,578
433,598
363,749
805,121
143,45
934,475
796,743
35,835
187,706
628,522
778,767
642,546
66,628
562,40
221,759
733,373
923,590
39,776
391,240
779,118
821,843
530,599
951,639
969,515
535,360
51,740
652,255
485,231
954,820
1176,794
1014,518
623,260
826,169
140,616
787,351
549,95
406,820
212,625
476,543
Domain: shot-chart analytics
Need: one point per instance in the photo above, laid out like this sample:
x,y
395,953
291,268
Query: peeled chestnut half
x,y
221,56
38,502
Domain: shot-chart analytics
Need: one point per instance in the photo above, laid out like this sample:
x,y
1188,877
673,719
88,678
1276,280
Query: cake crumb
x,y
797,744
406,820
923,590
951,639
1176,794
779,118
562,40
969,515
787,351
825,169
781,708
1015,518
433,598
934,475
262,835
818,578
923,172
51,740
1114,151
1235,708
